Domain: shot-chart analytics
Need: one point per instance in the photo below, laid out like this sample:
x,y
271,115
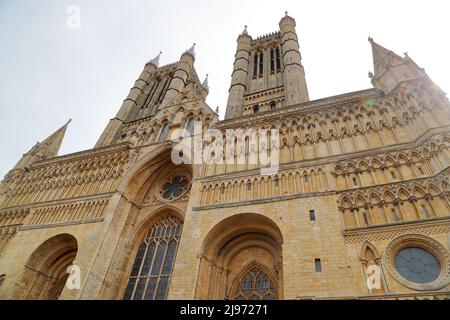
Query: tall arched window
x,y
255,109
255,284
261,64
278,59
272,60
152,268
163,132
190,126
255,66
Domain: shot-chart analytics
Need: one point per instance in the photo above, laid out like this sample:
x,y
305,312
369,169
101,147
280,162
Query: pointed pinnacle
x,y
155,60
205,83
192,49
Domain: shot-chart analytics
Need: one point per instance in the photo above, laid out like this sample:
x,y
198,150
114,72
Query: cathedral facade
x,y
357,208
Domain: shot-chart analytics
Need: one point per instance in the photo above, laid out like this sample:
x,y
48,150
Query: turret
x,y
129,103
390,70
180,76
239,76
205,87
295,89
46,149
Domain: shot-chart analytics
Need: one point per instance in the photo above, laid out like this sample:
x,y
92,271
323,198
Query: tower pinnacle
x,y
43,150
390,69
192,50
155,60
205,83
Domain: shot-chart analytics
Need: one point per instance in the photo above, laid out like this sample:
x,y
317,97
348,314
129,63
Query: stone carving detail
x,y
382,235
394,203
260,187
10,222
97,173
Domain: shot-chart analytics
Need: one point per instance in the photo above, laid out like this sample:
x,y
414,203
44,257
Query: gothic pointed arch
x,y
254,282
151,271
372,267
369,251
155,193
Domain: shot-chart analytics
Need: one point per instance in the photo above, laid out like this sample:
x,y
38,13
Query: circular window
x,y
417,265
175,187
418,262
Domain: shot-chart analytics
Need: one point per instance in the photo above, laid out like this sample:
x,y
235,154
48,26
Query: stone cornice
x,y
394,226
61,224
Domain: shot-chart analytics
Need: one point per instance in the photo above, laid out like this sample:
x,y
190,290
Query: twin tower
x,y
267,72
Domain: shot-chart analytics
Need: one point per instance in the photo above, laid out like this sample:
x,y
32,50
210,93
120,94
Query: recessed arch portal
x,y
45,272
152,227
242,259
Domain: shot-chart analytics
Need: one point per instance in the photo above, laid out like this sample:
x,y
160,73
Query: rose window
x,y
417,265
175,188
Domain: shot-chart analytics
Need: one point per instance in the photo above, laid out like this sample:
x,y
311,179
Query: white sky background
x,y
49,73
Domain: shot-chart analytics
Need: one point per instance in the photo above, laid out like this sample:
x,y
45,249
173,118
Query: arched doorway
x,y
242,259
45,273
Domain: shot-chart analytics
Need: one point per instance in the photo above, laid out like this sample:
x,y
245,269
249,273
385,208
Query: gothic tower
x,y
267,72
153,91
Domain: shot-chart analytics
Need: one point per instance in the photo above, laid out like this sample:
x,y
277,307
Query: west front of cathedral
x,y
358,207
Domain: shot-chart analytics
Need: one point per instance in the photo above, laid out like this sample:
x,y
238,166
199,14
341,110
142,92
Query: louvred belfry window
x,y
272,60
152,268
278,59
255,66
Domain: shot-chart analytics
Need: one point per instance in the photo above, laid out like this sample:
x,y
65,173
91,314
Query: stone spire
x,y
390,69
205,83
155,60
43,150
191,50
383,59
245,30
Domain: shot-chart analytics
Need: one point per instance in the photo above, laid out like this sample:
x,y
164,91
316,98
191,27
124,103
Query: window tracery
x,y
255,284
153,264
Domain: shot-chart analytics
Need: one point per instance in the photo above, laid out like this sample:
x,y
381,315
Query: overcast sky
x,y
50,73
